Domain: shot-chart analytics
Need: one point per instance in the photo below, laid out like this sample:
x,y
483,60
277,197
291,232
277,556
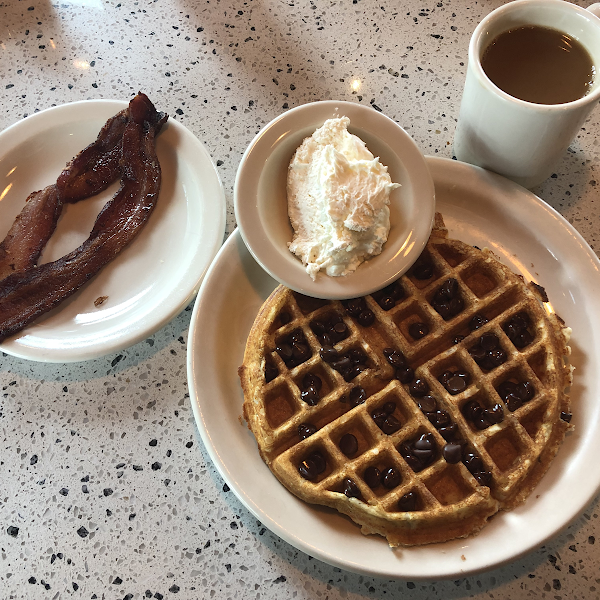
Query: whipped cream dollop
x,y
338,197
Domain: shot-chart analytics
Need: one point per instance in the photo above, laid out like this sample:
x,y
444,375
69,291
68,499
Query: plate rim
x,y
485,564
72,112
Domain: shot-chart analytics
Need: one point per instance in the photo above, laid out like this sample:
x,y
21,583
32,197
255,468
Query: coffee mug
x,y
520,139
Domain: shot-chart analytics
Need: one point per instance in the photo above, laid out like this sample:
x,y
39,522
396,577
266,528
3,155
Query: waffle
x,y
419,411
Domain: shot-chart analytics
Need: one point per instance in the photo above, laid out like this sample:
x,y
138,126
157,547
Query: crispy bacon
x,y
89,173
26,295
32,228
97,166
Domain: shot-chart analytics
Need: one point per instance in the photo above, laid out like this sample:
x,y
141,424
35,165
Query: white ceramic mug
x,y
522,140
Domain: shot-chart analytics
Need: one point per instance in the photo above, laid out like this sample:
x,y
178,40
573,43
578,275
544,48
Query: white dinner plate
x,y
479,208
150,281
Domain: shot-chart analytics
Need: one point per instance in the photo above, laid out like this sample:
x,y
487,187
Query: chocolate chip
x,y
340,328
458,339
506,388
305,430
356,355
310,396
317,327
350,488
449,431
523,339
319,462
497,357
514,394
566,417
297,336
473,463
372,477
395,290
353,371
390,425
357,396
483,478
439,418
447,300
494,415
418,453
489,341
285,351
427,403
482,418
517,329
525,391
405,374
348,445
394,357
310,379
342,364
513,402
477,321
425,442
471,409
452,453
418,388
414,463
487,352
449,288
423,268
366,318
386,302
418,330
408,502
308,469
454,381
355,306
390,478
294,349
330,330
389,408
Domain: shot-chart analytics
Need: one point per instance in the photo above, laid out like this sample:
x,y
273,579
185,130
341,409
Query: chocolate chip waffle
x,y
419,411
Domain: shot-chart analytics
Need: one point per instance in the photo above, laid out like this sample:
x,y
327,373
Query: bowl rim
x,y
373,274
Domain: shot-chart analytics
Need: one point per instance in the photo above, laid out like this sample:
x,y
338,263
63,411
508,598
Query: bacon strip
x,y
89,173
26,295
98,165
31,230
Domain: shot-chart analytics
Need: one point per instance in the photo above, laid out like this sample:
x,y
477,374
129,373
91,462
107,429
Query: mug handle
x,y
594,9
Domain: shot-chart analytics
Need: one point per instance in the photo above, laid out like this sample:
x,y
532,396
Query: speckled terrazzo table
x,y
105,488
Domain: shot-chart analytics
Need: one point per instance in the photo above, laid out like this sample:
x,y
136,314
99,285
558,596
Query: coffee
x,y
539,65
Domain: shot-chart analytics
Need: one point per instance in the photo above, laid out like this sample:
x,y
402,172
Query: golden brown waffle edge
x,y
326,447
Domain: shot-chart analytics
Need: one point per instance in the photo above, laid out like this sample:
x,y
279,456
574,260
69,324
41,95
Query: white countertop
x,y
107,491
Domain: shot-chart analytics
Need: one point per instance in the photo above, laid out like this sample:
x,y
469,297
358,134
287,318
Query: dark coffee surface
x,y
539,65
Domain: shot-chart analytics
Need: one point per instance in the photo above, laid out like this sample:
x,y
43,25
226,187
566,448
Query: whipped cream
x,y
338,197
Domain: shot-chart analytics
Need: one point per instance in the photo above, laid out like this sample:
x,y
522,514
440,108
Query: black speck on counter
x,y
82,532
12,531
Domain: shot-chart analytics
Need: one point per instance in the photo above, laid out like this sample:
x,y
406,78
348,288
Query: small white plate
x,y
260,198
150,281
479,208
